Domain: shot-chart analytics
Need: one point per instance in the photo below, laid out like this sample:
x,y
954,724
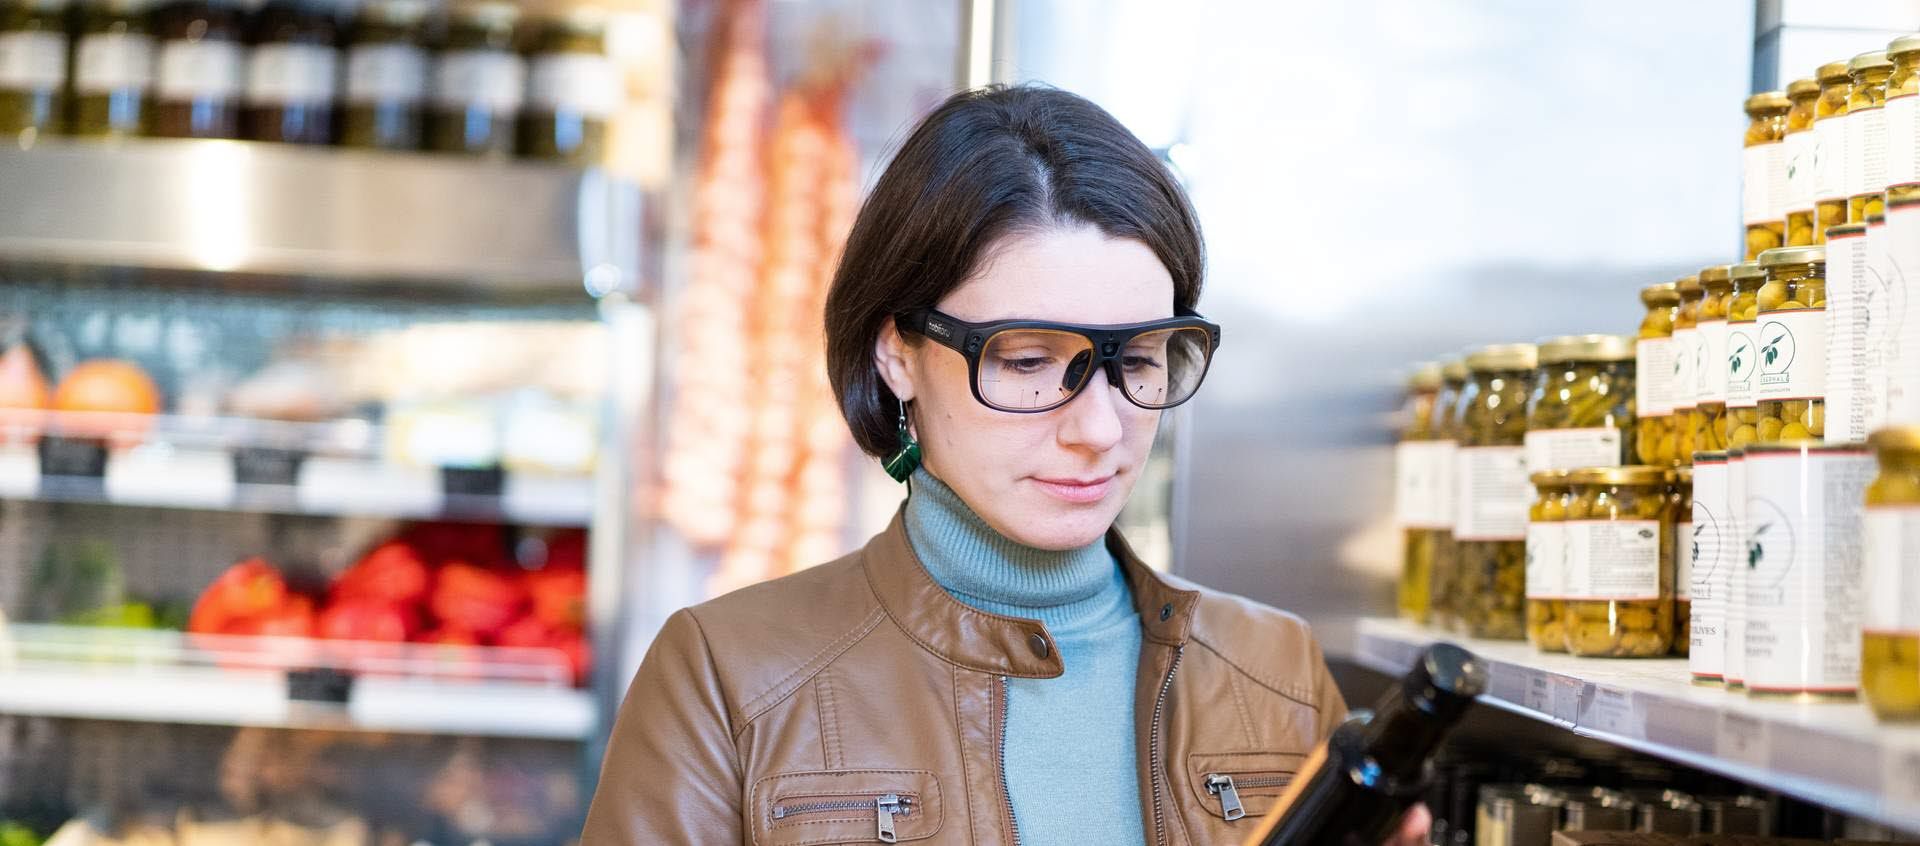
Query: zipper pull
x,y
884,809
1222,786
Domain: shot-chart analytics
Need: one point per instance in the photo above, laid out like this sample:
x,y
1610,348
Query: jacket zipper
x,y
885,807
1224,787
1153,748
1006,790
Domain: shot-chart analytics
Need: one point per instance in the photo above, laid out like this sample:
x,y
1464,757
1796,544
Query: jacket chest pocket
x,y
845,806
1237,785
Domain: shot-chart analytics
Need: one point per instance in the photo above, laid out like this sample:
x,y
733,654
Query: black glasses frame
x,y
970,339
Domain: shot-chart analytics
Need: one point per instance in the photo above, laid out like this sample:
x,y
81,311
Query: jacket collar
x,y
992,643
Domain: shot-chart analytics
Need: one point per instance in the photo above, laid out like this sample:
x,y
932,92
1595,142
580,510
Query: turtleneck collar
x,y
1066,590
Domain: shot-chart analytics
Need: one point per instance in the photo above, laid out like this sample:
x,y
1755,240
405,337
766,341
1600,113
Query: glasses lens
x,y
1033,369
1164,368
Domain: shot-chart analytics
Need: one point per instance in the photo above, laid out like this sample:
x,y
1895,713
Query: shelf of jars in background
x,y
280,682
338,468
1831,753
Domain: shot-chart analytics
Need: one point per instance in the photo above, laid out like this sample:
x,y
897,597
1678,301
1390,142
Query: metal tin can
x,y
1900,248
1492,492
1547,560
1803,592
1619,594
1706,540
1791,350
1734,557
1598,809
1848,269
1655,441
1890,633
1763,187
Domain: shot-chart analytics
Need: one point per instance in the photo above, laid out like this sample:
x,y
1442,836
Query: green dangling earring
x,y
904,461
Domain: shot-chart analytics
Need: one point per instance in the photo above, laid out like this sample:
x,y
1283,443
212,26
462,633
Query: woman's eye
x,y
1025,365
1135,362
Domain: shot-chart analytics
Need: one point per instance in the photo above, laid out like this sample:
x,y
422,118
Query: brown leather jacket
x,y
858,696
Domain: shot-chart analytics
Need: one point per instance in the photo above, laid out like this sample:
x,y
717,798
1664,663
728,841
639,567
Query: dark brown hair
x,y
986,164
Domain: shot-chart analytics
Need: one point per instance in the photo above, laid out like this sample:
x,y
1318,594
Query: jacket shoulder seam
x,y
1294,693
784,688
706,651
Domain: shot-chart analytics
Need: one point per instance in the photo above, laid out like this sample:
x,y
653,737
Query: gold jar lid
x,y
1781,256
1496,358
1426,376
1746,270
1846,230
1870,60
1767,102
1663,294
1549,479
1905,45
1454,370
1831,73
1689,287
1585,348
1800,89
1718,278
1632,474
1895,439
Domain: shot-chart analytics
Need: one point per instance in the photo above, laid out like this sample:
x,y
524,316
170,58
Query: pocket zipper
x,y
885,807
1224,786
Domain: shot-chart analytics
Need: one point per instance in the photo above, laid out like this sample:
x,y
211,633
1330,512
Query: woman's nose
x,y
1091,419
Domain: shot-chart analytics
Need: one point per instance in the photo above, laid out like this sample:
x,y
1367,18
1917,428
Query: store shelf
x,y
1831,753
319,213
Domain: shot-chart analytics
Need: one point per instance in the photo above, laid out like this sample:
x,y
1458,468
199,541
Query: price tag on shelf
x,y
1567,694
1612,711
1510,683
1745,739
1539,695
19,471
1682,725
348,486
171,477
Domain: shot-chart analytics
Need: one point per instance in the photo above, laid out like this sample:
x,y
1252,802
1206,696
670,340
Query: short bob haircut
x,y
990,163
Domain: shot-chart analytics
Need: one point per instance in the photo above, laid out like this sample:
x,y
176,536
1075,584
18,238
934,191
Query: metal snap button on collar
x,y
1038,643
1166,612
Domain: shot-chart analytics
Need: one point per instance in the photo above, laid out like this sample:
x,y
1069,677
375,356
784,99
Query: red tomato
x,y
392,572
559,596
477,599
365,619
247,590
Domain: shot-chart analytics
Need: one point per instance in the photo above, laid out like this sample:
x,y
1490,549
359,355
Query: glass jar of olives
x,y
1866,126
1547,560
33,69
572,92
1890,635
291,73
1417,496
1743,312
478,82
1687,355
112,69
1763,187
1654,440
1801,94
1903,111
1581,412
386,76
1792,352
1620,570
1680,517
1441,609
1707,423
1490,526
201,70
1830,146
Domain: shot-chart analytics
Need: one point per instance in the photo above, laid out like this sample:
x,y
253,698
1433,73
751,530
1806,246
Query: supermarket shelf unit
x,y
1830,753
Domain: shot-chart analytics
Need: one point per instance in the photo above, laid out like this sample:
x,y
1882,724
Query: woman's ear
x,y
890,357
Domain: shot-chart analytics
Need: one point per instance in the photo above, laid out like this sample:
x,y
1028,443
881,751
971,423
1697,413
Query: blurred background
x,y
376,376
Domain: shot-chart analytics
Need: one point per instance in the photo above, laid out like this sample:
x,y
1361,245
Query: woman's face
x,y
1056,479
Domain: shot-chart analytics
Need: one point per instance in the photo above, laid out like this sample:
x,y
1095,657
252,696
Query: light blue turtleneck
x,y
1070,758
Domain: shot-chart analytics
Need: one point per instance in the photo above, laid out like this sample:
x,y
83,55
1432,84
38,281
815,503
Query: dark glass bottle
x,y
386,76
112,69
572,91
201,69
33,69
479,82
291,68
1357,785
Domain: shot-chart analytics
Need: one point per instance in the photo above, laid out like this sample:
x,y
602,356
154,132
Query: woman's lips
x,y
1076,491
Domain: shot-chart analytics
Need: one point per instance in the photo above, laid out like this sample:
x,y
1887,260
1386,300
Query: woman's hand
x,y
1414,828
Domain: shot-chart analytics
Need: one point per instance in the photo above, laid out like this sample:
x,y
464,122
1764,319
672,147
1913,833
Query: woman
x,y
1013,311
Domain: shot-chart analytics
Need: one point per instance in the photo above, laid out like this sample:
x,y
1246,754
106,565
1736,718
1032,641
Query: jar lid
x,y
1746,270
1586,348
1767,102
1549,479
1781,256
1846,230
1425,376
1903,46
1689,287
1802,88
1664,293
1497,358
1454,370
1870,60
1632,474
492,13
1717,278
1832,73
1896,439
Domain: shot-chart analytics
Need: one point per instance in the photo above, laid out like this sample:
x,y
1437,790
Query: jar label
x,y
1704,542
1423,484
1491,493
574,82
1734,558
190,70
1546,560
1653,369
1792,354
1613,559
1903,139
1847,291
1866,151
32,60
1709,350
1686,350
386,73
1804,596
1756,183
281,74
1829,159
1798,151
1571,449
491,79
113,61
1741,356
1900,245
1892,569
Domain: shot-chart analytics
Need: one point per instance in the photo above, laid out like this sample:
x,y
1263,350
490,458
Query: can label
x,y
1829,159
1900,246
1756,184
191,70
32,60
1742,354
1799,155
1571,449
1734,559
1683,560
1792,354
492,79
1804,566
1704,543
1613,559
1903,139
1686,348
1491,493
282,74
1892,569
583,83
1423,484
1866,151
113,61
1709,375
386,73
1546,560
1653,377
1847,290
1883,304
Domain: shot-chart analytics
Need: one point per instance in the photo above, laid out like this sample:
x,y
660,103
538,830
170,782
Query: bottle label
x,y
1613,559
1705,541
491,79
1709,351
1899,245
1653,366
1491,493
1829,159
1792,354
1756,182
1571,449
1847,290
1423,475
286,74
1686,349
583,83
386,73
113,61
32,60
1804,596
1742,355
1799,155
1546,560
1903,139
1893,569
190,70
1866,151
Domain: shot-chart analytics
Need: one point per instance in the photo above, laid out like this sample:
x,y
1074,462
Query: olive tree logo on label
x,y
1777,351
1770,545
1706,538
1739,357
